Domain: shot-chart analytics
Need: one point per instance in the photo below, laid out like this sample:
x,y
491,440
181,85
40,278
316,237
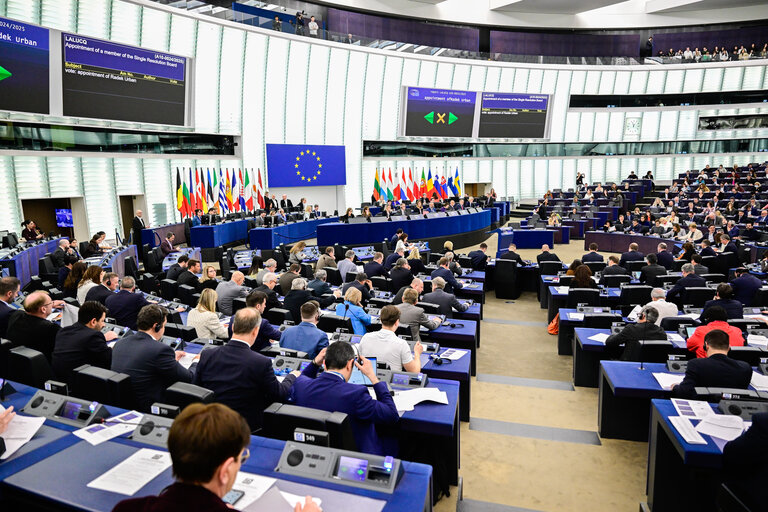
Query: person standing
x,y
277,25
313,26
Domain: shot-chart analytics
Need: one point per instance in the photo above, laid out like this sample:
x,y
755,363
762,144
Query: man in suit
x,y
269,266
268,287
268,333
285,202
664,257
414,316
9,290
375,267
136,226
512,255
268,203
612,269
100,294
318,286
744,286
644,329
62,252
716,370
442,270
152,365
706,249
659,303
197,219
724,298
649,272
689,279
258,221
167,246
546,255
631,255
363,284
281,217
401,275
479,257
229,291
31,328
727,246
285,281
698,268
347,265
241,378
392,258
177,268
592,255
417,284
189,277
299,295
447,302
326,260
124,306
305,336
750,234
83,342
331,391
745,469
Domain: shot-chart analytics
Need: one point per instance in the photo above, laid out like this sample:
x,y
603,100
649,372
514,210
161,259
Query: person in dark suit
x,y
698,268
401,275
241,378
727,246
592,255
105,290
649,272
331,391
706,249
417,284
664,257
447,302
511,254
689,279
62,253
644,329
374,267
363,284
545,255
631,255
745,464
299,295
83,342
716,370
319,285
124,306
392,258
744,286
479,257
136,226
268,333
152,365
188,276
9,290
167,246
285,202
31,328
93,248
177,268
269,282
612,269
442,270
724,299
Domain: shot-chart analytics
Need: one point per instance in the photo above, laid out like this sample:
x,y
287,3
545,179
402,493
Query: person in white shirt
x,y
387,347
312,27
665,309
204,318
688,54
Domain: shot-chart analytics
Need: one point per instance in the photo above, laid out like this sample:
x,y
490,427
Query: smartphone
x,y
232,496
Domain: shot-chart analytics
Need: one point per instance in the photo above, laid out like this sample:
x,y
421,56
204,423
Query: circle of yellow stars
x,y
312,155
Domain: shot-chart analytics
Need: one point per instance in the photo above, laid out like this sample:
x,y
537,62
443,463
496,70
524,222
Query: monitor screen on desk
x,y
357,376
690,331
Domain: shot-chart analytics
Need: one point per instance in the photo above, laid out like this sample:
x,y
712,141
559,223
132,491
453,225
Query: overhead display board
x,y
24,67
513,116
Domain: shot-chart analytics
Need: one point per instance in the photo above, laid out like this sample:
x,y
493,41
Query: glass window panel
x,y
540,177
374,81
492,78
507,80
160,189
126,23
592,83
155,28
656,81
650,126
477,81
616,126
713,79
231,81
24,10
612,173
732,78
535,78
129,180
183,35
687,124
319,58
578,81
99,195
353,112
555,174
569,174
59,14
621,84
31,178
444,75
693,79
668,125
601,126
296,92
521,80
572,126
586,126
549,81
206,88
64,176
674,81
584,166
513,179
390,98
427,72
607,82
526,179
93,18
598,170
638,82
559,105
254,78
484,171
334,103
499,176
460,77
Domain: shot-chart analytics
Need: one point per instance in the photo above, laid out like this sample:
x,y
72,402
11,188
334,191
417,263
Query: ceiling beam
x,y
654,6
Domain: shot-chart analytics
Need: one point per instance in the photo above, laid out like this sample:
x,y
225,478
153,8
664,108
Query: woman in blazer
x,y
414,260
204,318
352,309
296,256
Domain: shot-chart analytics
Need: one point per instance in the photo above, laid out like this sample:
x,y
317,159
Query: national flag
x,y
189,194
209,192
395,186
228,190
376,186
414,190
390,186
404,195
179,194
248,192
241,193
457,183
430,184
443,187
235,192
260,192
203,193
222,201
452,187
422,184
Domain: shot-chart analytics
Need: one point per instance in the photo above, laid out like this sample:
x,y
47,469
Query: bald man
x,y
230,290
31,328
546,255
417,284
138,225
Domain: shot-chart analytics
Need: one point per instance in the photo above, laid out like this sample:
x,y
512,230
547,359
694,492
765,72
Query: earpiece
x,y
157,327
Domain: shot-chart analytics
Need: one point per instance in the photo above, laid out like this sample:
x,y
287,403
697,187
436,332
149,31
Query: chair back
x,y
28,366
280,421
588,296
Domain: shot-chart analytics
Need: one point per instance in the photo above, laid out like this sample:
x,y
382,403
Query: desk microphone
x,y
346,309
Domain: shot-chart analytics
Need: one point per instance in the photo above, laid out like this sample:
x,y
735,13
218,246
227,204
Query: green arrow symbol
x,y
4,73
429,117
451,118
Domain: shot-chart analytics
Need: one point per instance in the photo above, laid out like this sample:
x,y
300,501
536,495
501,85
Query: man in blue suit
x,y
689,279
632,255
375,267
124,306
706,249
592,255
724,299
241,378
332,392
306,336
479,257
744,286
664,257
443,271
152,365
9,290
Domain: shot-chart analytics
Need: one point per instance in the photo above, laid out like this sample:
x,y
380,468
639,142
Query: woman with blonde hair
x,y
91,278
296,256
447,246
414,260
352,309
204,318
209,277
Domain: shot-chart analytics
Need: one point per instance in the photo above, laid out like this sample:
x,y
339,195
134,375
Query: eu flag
x,y
305,165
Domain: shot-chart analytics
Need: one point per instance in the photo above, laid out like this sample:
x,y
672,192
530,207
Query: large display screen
x,y
439,112
513,116
24,69
64,218
113,81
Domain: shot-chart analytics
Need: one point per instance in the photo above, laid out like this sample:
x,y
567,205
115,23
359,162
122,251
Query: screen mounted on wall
x,y
107,80
24,67
439,112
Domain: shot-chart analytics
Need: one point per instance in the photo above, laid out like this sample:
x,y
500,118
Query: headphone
x,y
451,324
440,360
157,327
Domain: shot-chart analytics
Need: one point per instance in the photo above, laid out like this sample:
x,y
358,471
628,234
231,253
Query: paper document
x,y
111,428
253,487
454,354
668,380
673,336
562,290
694,316
578,317
56,315
759,381
407,400
762,318
685,428
187,360
20,431
756,340
69,315
634,313
723,426
293,499
133,473
692,408
600,337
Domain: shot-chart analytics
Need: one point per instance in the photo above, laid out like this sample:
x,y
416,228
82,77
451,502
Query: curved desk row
x,y
417,229
25,264
269,238
148,234
216,235
619,242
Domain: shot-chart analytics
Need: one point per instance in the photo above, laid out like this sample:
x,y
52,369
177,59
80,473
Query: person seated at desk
x,y
415,262
636,227
280,217
305,336
93,248
582,278
401,274
318,286
447,302
125,305
386,211
317,214
331,391
9,290
152,365
375,267
347,265
745,285
612,269
727,246
693,234
230,290
31,232
268,333
631,255
284,283
387,347
443,271
295,255
189,277
763,218
30,326
208,279
689,279
546,255
167,246
299,295
716,318
65,269
664,257
394,239
100,294
414,316
259,220
270,266
362,283
83,342
645,329
62,253
417,284
592,255
511,254
665,309
91,278
392,258
268,288
349,214
698,268
745,469
453,266
256,263
73,279
649,272
715,369
204,318
196,218
352,309
749,234
479,257
724,299
177,268
327,259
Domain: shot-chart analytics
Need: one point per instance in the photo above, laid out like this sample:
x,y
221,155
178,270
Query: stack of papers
x,y
454,354
694,316
684,426
407,400
274,500
756,340
692,408
133,473
759,381
722,426
20,431
253,487
634,313
599,337
111,428
673,336
668,380
562,289
187,360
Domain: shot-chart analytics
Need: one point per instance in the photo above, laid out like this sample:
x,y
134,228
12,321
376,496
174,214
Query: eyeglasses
x,y
48,304
245,455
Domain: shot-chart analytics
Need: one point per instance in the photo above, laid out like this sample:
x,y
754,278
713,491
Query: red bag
x,y
554,325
